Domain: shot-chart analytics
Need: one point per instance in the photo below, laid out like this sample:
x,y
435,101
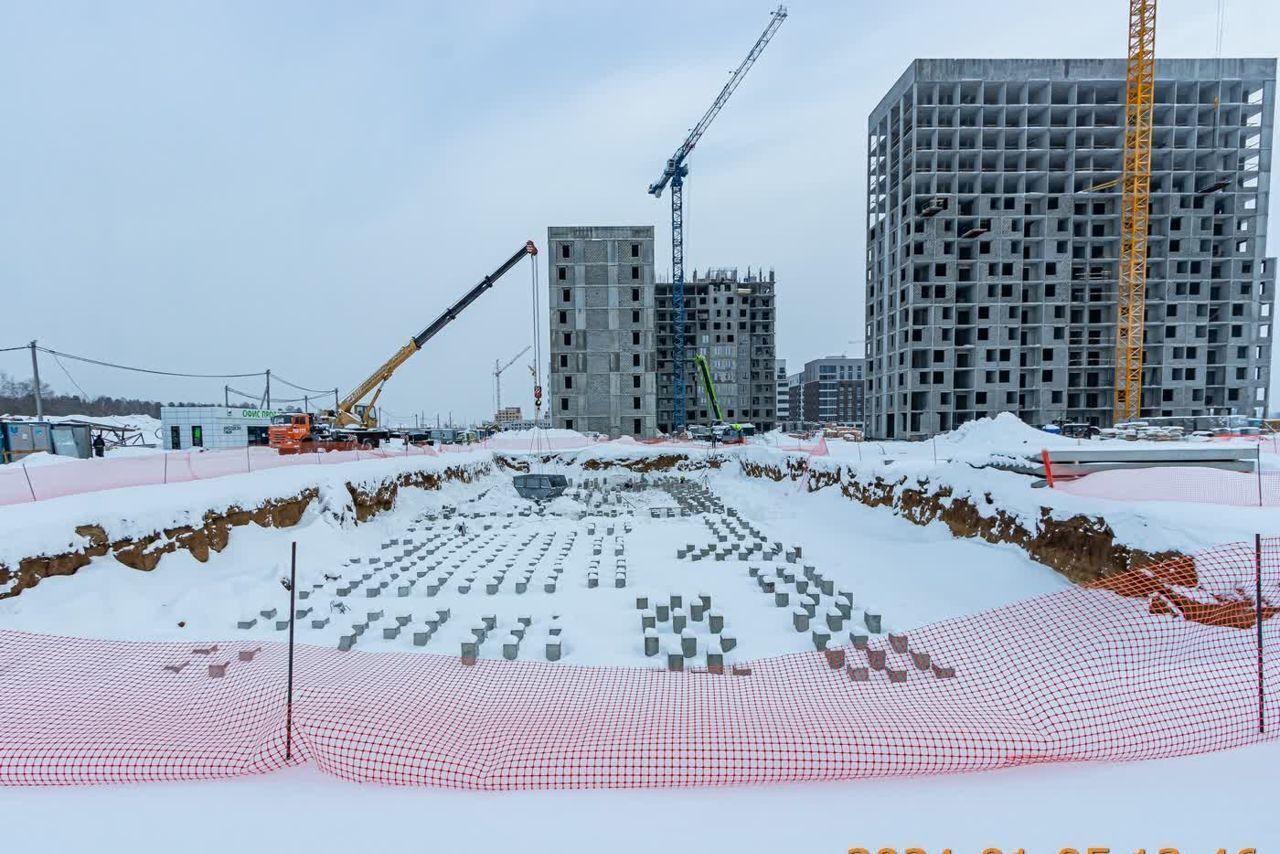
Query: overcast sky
x,y
302,186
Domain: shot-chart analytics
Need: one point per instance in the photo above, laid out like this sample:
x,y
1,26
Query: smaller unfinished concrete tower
x,y
601,304
730,320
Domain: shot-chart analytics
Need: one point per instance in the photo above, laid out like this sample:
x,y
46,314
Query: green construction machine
x,y
729,434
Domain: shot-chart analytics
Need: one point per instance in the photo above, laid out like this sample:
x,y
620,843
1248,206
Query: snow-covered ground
x,y
469,535
1195,804
468,538
911,575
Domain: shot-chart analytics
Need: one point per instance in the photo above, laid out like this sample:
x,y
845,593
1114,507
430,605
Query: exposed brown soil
x,y
145,552
1082,548
662,462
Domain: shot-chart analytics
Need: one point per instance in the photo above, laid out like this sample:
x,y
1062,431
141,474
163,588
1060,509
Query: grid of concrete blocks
x,y
409,589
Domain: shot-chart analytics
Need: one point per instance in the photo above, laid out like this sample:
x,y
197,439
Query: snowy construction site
x,y
376,474
680,615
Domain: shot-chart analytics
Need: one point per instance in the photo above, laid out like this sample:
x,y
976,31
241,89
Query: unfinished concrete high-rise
x,y
993,235
601,303
730,320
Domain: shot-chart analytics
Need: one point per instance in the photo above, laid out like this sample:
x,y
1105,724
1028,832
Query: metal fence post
x,y
1258,465
1257,605
288,715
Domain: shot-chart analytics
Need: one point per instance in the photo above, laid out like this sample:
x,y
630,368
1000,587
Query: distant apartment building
x,y
601,303
795,398
993,240
508,415
831,390
782,410
729,319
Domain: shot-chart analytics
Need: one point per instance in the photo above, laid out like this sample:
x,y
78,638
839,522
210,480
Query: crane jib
x,y
451,313
345,414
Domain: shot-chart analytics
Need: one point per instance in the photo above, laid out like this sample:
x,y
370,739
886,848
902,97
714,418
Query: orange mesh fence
x,y
1155,663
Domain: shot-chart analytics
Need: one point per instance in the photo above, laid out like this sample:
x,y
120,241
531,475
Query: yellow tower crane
x,y
1131,295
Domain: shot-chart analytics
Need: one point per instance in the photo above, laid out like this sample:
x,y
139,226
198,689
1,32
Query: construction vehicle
x,y
728,434
298,433
354,423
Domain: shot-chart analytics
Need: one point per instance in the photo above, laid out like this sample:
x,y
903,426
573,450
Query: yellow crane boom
x,y
1131,294
352,412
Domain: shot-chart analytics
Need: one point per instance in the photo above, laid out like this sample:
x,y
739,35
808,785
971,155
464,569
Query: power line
x,y
279,378
11,349
87,360
83,394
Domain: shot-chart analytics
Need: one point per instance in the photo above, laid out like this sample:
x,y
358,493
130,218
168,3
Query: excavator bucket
x,y
540,487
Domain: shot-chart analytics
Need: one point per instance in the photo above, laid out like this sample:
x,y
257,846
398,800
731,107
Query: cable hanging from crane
x,y
537,361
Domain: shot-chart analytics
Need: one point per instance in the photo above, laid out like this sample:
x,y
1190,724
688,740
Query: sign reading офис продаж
x,y
210,427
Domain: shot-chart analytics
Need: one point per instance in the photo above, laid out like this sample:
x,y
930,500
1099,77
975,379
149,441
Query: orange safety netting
x,y
1154,663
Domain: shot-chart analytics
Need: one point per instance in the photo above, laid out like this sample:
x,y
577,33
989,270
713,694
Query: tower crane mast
x,y
1131,293
673,174
498,370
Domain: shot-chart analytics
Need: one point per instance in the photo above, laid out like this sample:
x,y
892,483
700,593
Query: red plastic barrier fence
x,y
23,484
1155,663
1179,483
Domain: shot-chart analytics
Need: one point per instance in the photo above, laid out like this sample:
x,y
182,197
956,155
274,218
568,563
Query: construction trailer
x,y
185,427
21,438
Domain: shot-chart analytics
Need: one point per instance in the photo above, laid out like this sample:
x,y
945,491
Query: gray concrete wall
x,y
600,297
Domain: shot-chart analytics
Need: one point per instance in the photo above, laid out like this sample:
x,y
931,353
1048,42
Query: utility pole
x,y
35,377
335,402
268,393
226,396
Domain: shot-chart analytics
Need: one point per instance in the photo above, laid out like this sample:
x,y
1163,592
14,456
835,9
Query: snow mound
x,y
44,458
544,432
1005,433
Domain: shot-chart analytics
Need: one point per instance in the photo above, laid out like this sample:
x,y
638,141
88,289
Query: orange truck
x,y
354,422
294,433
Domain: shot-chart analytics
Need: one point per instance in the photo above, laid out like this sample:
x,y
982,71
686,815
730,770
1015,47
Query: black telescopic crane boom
x,y
451,313
351,413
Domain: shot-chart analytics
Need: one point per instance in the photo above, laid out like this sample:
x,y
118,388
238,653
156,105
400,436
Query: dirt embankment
x,y
213,534
1163,585
1083,548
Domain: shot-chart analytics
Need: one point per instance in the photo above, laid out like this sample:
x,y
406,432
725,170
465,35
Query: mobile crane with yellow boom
x,y
355,422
